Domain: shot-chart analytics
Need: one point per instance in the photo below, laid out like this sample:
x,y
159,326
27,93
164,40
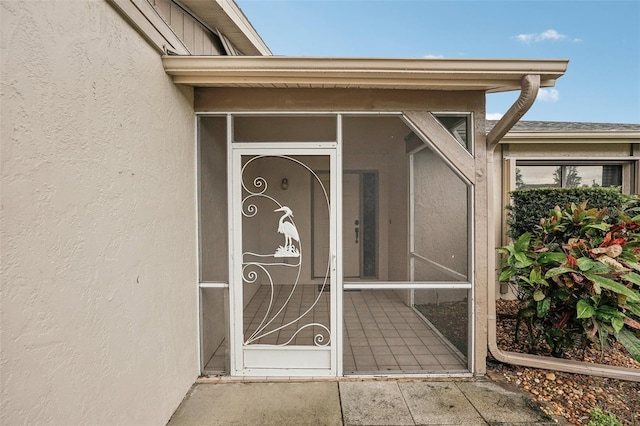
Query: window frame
x,y
470,126
628,168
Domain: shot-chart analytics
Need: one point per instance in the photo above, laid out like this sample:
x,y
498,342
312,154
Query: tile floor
x,y
381,333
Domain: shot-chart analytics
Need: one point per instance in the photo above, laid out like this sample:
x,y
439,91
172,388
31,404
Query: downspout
x,y
530,86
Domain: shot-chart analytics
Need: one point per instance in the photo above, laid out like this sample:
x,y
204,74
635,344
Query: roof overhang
x,y
597,137
489,75
227,17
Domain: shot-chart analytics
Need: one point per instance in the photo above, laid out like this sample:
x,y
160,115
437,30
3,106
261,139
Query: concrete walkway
x,y
472,402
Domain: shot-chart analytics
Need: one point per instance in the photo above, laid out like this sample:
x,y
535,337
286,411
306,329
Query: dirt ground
x,y
571,396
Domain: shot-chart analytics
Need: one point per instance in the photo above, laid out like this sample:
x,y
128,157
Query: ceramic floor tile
x,y
426,359
412,341
377,341
390,333
364,360
400,350
358,341
361,350
381,350
439,349
406,360
395,341
385,360
386,326
419,350
373,333
407,333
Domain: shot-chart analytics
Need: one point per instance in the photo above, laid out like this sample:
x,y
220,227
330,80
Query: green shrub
x,y
529,205
603,418
578,279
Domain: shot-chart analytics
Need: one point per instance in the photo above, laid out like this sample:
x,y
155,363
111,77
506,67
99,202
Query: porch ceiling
x,y
489,75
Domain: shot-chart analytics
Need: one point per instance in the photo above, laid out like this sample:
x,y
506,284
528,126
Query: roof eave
x,y
228,18
489,75
572,137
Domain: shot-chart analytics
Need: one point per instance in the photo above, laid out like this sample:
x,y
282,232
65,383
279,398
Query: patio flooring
x,y
381,333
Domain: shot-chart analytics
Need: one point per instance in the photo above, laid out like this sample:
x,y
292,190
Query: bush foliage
x,y
578,278
529,205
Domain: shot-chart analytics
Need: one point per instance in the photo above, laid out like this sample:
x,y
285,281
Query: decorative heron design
x,y
290,232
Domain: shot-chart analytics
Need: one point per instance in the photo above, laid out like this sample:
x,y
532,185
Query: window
x,y
568,175
459,125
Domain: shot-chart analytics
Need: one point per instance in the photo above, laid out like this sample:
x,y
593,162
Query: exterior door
x,y
284,315
351,225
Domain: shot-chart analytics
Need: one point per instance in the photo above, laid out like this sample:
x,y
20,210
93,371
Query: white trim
x,y
597,136
243,352
471,244
337,279
488,75
199,311
584,159
210,284
263,147
234,357
405,285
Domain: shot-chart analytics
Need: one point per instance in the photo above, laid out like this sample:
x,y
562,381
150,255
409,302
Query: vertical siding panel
x,y
177,21
188,32
198,37
206,48
164,7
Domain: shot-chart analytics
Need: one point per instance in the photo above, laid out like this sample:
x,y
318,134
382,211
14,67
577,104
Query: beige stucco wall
x,y
98,306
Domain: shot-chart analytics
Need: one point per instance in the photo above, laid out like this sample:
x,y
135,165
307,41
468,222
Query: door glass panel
x,y
284,305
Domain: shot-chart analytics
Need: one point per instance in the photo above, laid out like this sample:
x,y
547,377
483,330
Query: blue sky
x,y
600,38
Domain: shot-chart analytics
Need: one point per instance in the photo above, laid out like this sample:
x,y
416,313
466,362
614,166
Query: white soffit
x,y
489,75
227,17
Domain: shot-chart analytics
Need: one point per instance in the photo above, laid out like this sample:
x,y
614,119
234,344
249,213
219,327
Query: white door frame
x,y
272,360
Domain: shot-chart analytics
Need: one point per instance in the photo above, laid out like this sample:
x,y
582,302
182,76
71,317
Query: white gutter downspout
x,y
530,86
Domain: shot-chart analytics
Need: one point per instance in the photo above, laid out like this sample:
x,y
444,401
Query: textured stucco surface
x,y
98,234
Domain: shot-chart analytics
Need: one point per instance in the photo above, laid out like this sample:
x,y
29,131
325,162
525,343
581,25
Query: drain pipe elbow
x,y
530,86
528,93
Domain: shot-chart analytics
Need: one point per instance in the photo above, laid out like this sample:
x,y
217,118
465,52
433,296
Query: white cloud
x,y
434,56
548,95
548,35
494,116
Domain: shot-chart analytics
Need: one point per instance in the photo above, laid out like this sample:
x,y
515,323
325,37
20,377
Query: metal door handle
x,y
357,222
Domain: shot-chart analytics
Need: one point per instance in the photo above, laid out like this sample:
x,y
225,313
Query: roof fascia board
x,y
220,13
571,137
144,18
440,74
